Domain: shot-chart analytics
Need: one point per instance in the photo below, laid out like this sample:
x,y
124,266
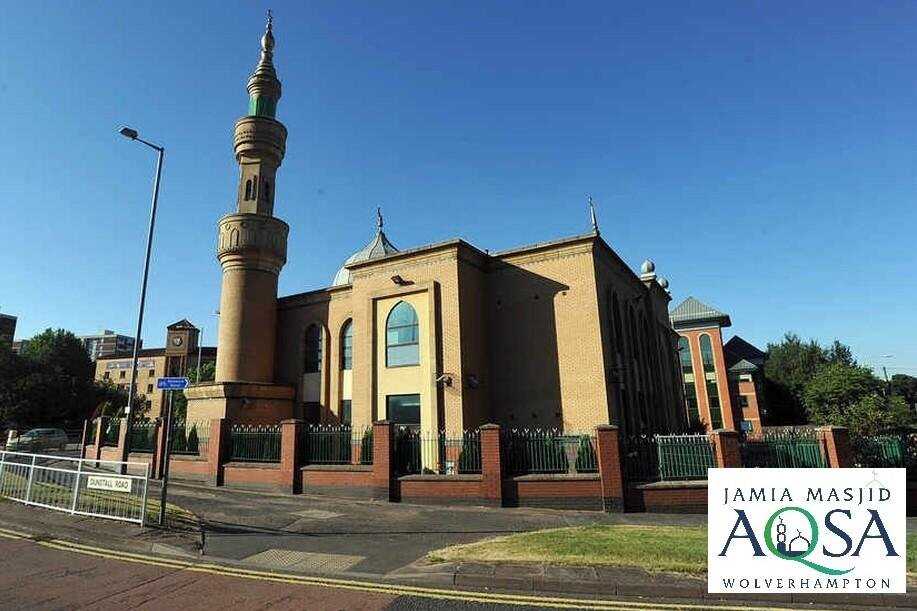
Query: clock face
x,y
177,341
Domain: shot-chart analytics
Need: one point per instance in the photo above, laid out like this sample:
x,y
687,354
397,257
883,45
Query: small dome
x,y
378,247
648,267
663,283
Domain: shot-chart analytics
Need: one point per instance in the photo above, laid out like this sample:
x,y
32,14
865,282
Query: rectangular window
x,y
149,388
743,401
122,374
403,409
399,356
151,373
345,411
106,375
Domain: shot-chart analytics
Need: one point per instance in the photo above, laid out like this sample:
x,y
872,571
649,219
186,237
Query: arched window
x,y
347,345
313,360
248,189
713,392
255,188
687,371
402,334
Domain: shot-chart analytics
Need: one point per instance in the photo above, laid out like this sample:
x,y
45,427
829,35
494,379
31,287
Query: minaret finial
x,y
264,86
595,222
379,221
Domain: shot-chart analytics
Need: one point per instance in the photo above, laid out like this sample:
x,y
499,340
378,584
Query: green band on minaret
x,y
262,106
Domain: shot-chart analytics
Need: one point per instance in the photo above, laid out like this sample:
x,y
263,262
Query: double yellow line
x,y
363,586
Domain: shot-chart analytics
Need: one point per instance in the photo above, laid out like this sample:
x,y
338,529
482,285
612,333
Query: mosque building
x,y
444,336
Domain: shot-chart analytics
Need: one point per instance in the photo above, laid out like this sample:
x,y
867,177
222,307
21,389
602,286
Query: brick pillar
x,y
159,449
726,448
608,455
290,454
838,453
384,482
122,444
216,449
491,466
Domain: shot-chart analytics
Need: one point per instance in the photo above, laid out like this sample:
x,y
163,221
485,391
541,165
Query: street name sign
x,y
172,383
107,482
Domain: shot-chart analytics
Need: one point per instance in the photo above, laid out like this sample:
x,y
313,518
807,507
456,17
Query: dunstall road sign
x,y
172,383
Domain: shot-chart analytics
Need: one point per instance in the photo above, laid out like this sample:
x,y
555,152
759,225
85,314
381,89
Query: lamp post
x,y
132,134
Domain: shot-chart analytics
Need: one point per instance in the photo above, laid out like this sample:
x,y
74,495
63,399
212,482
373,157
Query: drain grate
x,y
309,562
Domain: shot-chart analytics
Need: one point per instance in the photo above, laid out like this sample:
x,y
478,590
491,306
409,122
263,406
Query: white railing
x,y
78,486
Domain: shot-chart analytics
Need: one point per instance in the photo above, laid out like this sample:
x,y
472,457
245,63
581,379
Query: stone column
x,y
726,448
384,482
838,453
216,449
290,453
608,455
491,466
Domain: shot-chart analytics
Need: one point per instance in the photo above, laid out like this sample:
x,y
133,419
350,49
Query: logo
x,y
806,530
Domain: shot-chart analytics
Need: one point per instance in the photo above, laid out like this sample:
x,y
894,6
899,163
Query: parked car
x,y
37,440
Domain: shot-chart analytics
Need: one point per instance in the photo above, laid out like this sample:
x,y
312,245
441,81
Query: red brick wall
x,y
554,491
189,468
672,497
253,475
442,489
353,481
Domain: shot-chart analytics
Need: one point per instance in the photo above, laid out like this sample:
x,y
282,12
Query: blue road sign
x,y
172,383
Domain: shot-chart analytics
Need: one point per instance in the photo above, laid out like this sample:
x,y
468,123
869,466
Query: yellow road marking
x,y
366,586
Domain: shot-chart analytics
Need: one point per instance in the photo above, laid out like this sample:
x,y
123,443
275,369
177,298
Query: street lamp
x,y
132,134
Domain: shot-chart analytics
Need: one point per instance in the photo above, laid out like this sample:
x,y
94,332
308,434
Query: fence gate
x,y
75,485
786,450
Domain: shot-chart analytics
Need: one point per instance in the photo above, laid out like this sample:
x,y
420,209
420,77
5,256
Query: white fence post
x,y
2,465
76,486
28,489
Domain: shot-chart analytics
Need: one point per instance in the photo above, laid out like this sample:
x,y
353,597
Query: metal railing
x,y
143,437
528,451
328,444
91,433
186,440
879,451
684,457
437,452
111,428
640,456
254,442
786,448
75,486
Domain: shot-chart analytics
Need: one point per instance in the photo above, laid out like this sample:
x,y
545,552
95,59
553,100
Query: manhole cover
x,y
302,561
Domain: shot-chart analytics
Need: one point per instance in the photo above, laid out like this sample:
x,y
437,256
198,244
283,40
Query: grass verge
x,y
677,549
681,549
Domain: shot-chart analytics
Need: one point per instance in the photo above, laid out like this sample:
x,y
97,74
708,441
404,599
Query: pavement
x,y
359,542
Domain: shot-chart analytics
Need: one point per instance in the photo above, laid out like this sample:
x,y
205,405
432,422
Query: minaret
x,y
252,245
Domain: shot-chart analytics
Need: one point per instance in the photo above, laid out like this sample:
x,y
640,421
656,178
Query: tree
x,y
851,396
790,365
905,386
180,403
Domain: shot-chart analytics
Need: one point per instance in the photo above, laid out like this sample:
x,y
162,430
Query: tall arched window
x,y
347,345
402,335
248,189
313,360
687,371
255,188
713,393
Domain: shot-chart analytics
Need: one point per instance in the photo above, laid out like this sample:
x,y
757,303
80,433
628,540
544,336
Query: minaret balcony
x,y
252,240
260,137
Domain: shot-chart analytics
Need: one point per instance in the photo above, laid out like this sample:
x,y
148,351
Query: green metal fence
x,y
366,446
789,448
437,452
684,457
880,451
254,442
547,451
91,433
143,436
187,439
640,456
111,428
327,444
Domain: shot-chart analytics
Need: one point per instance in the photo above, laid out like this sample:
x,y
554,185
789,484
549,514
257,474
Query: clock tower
x,y
251,249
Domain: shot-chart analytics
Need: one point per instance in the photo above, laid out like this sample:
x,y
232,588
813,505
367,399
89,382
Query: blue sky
x,y
763,154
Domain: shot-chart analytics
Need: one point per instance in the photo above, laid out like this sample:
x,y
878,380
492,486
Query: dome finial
x,y
267,41
595,222
379,221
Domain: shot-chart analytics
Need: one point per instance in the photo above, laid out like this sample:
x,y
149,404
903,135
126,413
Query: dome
x,y
648,267
664,283
378,247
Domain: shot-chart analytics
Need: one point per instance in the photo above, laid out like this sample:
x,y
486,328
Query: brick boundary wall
x,y
607,490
